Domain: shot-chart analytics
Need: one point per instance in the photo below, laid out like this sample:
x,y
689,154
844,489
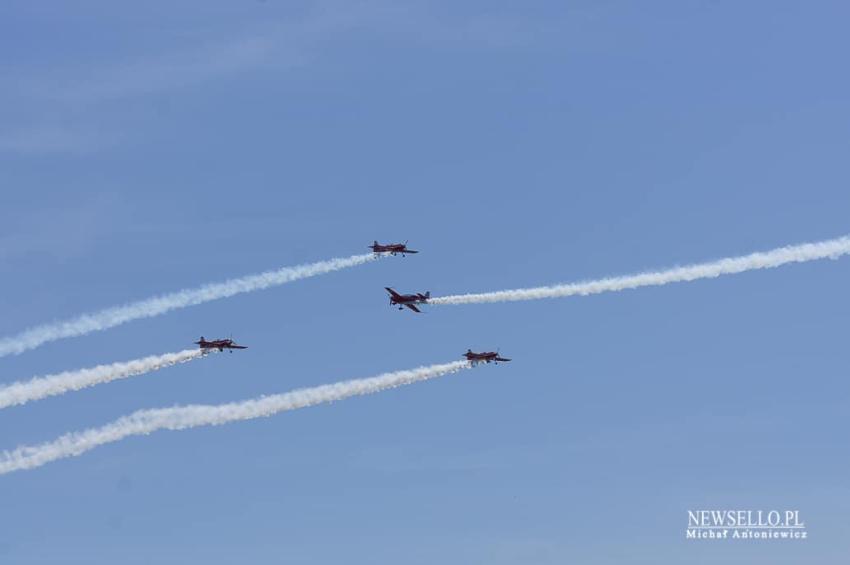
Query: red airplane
x,y
220,344
486,357
392,248
408,300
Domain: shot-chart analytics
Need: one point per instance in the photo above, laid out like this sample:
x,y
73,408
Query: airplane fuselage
x,y
220,344
485,357
408,299
391,248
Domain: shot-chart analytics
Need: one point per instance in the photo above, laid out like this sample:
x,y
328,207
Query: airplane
x,y
486,357
408,300
220,344
391,248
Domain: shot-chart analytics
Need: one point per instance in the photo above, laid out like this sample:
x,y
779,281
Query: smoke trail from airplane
x,y
52,385
144,422
833,248
157,305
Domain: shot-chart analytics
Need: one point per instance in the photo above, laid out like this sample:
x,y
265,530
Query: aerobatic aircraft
x,y
220,344
391,248
485,357
408,300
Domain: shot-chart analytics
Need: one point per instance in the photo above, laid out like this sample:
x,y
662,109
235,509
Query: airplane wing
x,y
238,347
409,251
392,292
501,359
414,308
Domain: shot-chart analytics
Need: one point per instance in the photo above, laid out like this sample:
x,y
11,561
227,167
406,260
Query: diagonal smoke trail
x,y
118,315
832,248
37,388
181,417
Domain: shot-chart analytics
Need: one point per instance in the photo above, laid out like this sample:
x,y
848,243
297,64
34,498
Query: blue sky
x,y
152,147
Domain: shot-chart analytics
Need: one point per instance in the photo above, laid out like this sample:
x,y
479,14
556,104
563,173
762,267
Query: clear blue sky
x,y
151,146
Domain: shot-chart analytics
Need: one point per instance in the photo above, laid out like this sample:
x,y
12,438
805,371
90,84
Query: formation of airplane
x,y
220,344
391,248
485,357
408,300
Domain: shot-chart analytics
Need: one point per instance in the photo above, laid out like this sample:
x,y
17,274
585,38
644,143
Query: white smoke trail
x,y
51,385
118,315
181,417
832,248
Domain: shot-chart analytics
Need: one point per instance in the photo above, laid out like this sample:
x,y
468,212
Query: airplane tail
x,y
428,294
